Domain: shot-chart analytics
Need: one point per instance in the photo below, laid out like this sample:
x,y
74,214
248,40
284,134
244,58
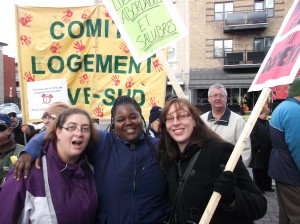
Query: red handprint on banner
x,y
107,13
83,79
124,47
157,65
28,77
152,102
54,47
116,80
85,14
129,82
99,112
79,46
25,40
67,16
25,20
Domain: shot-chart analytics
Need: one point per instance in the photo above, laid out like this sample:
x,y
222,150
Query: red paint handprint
x,y
67,16
157,65
124,47
54,47
129,82
107,13
152,102
83,79
79,46
25,20
25,40
99,112
116,80
85,14
28,77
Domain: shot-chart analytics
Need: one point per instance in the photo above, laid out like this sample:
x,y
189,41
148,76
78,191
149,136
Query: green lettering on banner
x,y
71,29
34,67
118,64
53,28
138,95
59,64
75,99
86,91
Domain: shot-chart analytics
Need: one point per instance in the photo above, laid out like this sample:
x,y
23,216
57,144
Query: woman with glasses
x,y
185,138
130,185
52,112
64,190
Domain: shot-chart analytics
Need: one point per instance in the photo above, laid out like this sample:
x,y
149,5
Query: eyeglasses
x,y
180,117
221,96
12,115
84,130
3,128
48,118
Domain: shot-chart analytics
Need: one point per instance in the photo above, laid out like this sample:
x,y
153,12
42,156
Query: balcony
x,y
244,21
243,59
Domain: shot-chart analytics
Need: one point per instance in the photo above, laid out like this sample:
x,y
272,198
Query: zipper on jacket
x,y
180,178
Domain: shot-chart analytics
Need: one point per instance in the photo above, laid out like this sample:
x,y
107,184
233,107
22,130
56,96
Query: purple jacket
x,y
71,197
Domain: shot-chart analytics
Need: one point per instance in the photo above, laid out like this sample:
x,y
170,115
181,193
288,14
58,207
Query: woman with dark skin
x,y
130,185
184,134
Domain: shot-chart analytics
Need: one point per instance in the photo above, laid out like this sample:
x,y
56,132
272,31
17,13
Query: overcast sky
x,y
7,18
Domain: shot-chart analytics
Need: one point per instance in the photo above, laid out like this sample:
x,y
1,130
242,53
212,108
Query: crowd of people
x,y
161,172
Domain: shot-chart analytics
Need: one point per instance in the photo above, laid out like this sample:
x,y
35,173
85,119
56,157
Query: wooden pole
x,y
163,60
215,198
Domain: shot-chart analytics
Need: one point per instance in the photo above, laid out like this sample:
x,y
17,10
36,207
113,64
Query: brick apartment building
x,y
226,44
228,41
9,81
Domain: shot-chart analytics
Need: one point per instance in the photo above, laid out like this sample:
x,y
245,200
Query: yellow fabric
x,y
82,45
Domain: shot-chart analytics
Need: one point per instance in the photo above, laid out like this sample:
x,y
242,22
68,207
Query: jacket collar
x,y
66,168
224,120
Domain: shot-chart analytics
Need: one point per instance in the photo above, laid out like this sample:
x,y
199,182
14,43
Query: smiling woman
x,y
192,155
65,190
130,185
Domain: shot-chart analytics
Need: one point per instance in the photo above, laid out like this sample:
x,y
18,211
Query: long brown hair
x,y
61,120
201,134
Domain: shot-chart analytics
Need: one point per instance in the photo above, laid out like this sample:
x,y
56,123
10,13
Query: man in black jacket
x,y
22,132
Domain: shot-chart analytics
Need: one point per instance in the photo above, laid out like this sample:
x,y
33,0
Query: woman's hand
x,y
225,185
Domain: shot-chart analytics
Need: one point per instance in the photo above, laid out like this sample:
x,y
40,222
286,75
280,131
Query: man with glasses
x,y
8,146
22,132
223,121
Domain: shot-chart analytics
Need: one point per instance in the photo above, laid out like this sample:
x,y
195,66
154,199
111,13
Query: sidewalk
x,y
271,217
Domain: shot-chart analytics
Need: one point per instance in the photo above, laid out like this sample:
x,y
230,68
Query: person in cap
x,y
153,126
284,165
170,96
22,132
52,112
8,146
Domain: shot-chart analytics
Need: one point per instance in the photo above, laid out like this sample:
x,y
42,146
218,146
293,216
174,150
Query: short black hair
x,y
170,96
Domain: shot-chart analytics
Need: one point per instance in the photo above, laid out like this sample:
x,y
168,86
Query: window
x,y
265,5
221,9
263,44
172,52
221,47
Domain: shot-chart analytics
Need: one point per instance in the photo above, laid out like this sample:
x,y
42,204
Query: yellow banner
x,y
83,45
